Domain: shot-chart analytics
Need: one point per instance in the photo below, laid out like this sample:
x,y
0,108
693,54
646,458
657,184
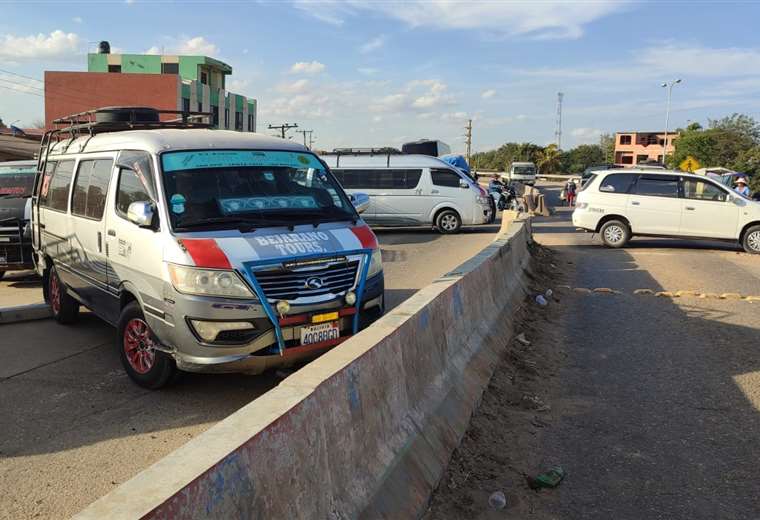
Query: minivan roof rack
x,y
385,150
115,119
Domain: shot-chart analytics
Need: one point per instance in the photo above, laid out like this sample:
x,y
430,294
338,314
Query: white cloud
x,y
372,45
295,87
77,19
307,67
586,135
55,45
418,95
543,20
197,45
367,71
488,94
184,45
238,85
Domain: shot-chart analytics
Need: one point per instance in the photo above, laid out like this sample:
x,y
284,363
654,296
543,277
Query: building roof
x,y
670,132
162,140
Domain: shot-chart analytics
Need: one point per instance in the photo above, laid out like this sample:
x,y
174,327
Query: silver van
x,y
411,190
209,250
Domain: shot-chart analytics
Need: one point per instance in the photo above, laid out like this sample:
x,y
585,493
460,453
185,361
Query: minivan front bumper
x,y
192,354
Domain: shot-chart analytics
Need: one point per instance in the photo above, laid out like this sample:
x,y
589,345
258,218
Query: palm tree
x,y
549,160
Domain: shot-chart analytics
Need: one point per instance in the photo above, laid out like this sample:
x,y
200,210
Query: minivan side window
x,y
54,193
378,179
617,183
701,190
657,186
91,188
444,177
130,190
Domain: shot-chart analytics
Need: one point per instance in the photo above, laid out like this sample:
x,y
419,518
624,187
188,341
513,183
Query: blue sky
x,y
373,73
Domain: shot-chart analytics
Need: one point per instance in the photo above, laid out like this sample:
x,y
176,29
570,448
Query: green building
x,y
203,82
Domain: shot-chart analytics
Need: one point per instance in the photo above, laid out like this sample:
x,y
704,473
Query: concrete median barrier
x,y
33,311
366,430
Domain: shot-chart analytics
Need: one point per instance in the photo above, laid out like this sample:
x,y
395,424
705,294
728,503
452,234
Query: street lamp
x,y
669,86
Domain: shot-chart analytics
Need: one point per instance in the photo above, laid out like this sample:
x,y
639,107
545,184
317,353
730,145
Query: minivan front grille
x,y
284,284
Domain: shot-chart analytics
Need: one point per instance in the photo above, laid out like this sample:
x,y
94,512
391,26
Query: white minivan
x,y
622,203
411,190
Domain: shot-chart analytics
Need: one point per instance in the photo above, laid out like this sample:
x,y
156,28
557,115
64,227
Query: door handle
x,y
689,208
42,226
634,203
433,191
111,232
100,242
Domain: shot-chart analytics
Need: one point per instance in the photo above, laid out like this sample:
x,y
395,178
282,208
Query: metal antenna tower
x,y
558,128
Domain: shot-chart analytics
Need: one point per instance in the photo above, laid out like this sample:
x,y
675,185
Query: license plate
x,y
311,334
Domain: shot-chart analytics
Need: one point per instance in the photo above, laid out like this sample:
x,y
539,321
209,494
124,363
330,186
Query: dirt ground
x,y
502,443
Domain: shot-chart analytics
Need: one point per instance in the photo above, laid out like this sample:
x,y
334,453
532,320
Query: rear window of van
x,y
378,179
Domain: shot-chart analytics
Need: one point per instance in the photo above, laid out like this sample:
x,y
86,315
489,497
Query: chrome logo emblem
x,y
314,283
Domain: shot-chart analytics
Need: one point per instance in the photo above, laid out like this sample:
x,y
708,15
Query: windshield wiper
x,y
243,225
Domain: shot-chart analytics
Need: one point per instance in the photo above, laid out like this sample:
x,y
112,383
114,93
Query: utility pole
x,y
558,127
669,86
283,128
468,140
304,132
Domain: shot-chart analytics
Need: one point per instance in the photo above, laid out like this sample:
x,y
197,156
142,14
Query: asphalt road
x,y
74,426
658,409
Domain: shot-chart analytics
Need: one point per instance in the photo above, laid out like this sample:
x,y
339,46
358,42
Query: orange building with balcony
x,y
632,148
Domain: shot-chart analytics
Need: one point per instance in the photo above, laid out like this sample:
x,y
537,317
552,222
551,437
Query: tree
x,y
607,144
581,157
549,160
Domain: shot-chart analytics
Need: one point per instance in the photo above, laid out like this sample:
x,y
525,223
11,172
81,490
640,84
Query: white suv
x,y
619,204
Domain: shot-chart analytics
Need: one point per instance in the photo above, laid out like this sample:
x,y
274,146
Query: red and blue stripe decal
x,y
366,237
206,253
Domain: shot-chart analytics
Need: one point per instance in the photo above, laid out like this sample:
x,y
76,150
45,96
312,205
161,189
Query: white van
x,y
619,204
524,172
209,250
411,190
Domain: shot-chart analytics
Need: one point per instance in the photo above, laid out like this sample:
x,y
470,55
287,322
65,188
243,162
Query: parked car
x,y
412,190
524,172
16,183
209,250
620,204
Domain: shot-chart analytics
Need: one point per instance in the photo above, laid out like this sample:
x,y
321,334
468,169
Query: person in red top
x,y
570,190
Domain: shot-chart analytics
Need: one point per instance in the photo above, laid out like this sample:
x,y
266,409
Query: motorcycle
x,y
505,197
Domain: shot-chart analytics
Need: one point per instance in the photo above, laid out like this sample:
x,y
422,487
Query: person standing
x,y
741,187
570,189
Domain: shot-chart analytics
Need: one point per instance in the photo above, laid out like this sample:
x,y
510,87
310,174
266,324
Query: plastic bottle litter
x,y
548,479
549,293
497,500
541,300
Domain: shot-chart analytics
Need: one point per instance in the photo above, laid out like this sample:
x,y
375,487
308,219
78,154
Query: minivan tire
x,y
751,240
448,222
144,364
64,308
615,233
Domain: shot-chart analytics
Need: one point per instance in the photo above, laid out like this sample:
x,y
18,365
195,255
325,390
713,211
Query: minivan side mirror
x,y
141,213
463,184
360,201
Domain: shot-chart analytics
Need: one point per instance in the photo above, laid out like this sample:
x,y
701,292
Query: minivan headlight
x,y
208,282
375,264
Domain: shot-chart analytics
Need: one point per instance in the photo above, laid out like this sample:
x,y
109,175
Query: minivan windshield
x,y
524,170
16,181
251,188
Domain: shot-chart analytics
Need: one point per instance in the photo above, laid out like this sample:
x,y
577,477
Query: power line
x,y
558,128
311,140
283,128
468,139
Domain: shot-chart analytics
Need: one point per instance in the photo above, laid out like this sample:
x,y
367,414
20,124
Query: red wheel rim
x,y
55,293
138,346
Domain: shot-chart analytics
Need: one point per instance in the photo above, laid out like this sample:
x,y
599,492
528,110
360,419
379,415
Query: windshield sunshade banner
x,y
197,159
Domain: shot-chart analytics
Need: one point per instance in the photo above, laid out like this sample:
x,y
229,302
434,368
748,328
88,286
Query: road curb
x,y
33,311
